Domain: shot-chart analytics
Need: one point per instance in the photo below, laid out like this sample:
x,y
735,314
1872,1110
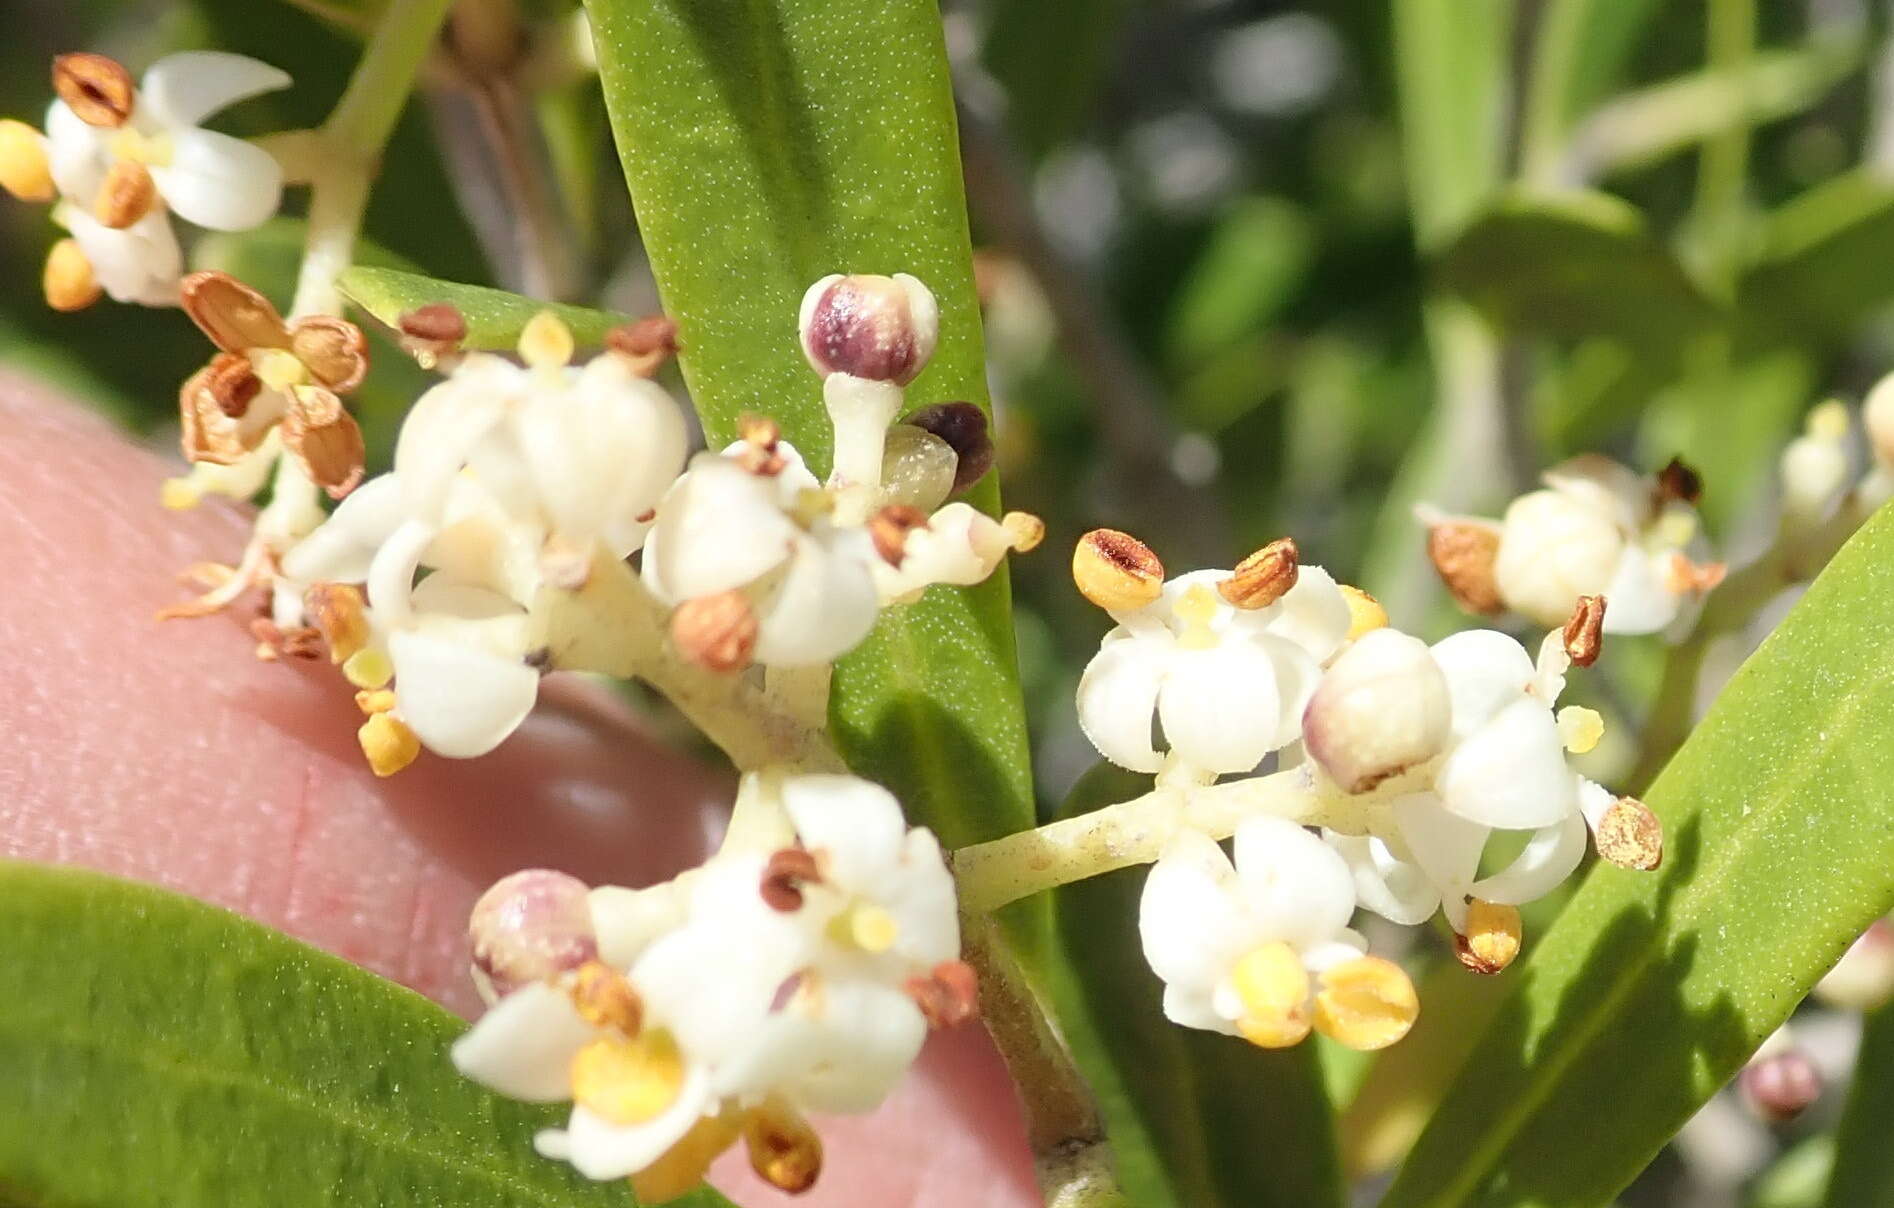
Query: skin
x,y
165,752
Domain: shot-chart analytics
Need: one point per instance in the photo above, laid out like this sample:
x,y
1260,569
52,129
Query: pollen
x,y
1367,1003
388,743
1273,987
546,342
1365,613
68,281
628,1080
368,668
1580,729
604,999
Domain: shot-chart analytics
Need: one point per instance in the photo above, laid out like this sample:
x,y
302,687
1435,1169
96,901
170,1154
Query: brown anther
x,y
646,516
762,435
333,350
68,280
340,614
784,876
274,642
1684,576
126,196
1585,632
1264,577
949,996
890,527
1463,554
325,438
1678,482
1630,836
211,405
1492,940
715,632
1116,571
431,332
784,1150
232,383
645,343
604,999
98,90
234,316
965,430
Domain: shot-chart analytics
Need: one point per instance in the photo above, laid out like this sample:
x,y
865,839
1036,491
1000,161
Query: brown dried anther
x,y
645,343
431,332
784,1150
325,438
340,613
1463,553
784,876
716,632
948,996
126,196
239,319
214,405
1630,835
1116,571
1678,482
963,428
1686,577
1585,633
604,999
762,436
1264,577
890,527
97,89
274,642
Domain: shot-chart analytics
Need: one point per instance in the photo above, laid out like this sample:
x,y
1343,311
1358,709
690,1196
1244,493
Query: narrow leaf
x,y
1864,1161
161,1052
494,317
1821,268
1652,989
1452,68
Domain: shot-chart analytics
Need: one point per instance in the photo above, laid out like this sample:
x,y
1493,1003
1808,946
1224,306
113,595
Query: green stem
x,y
1546,126
1723,169
371,104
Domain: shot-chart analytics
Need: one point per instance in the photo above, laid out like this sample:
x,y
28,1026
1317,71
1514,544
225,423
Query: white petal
x,y
470,614
1552,550
440,433
1511,772
854,825
925,902
1551,855
1446,847
1637,600
602,1150
1391,887
1189,921
1314,614
219,182
1117,698
603,450
1486,671
1194,1007
626,921
140,264
523,1046
1220,707
719,528
185,88
343,548
825,604
839,1046
390,582
78,155
1296,887
1604,486
460,701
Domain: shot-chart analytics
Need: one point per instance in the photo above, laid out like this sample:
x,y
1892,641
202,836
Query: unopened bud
x,y
784,1150
1382,708
98,90
716,632
645,344
25,171
1863,979
1116,571
530,926
965,429
1877,416
69,282
1629,835
126,196
1584,633
1493,936
1264,577
1463,554
879,328
890,527
1814,466
1781,1086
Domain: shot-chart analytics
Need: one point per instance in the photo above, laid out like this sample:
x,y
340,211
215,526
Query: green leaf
x,y
1050,97
1819,272
1864,1161
1197,1120
1452,67
161,1052
1652,989
494,317
1576,265
768,144
1797,1178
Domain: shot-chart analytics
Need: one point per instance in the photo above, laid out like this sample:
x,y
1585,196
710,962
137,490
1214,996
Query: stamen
x,y
1463,554
378,700
949,997
717,633
784,1150
1630,835
126,196
1580,729
628,1080
1365,614
1678,481
68,281
97,89
1116,571
681,1169
432,332
340,613
644,344
604,999
25,171
784,876
1273,987
388,743
1584,633
1493,937
889,528
1367,1003
1024,531
368,668
1264,577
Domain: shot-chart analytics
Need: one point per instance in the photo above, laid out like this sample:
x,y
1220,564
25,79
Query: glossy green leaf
x,y
160,1052
1652,989
1572,266
1197,1120
1864,1161
1452,67
494,317
1820,271
767,145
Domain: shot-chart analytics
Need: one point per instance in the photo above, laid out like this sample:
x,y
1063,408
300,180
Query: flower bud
x,y
879,328
1780,1086
1815,467
964,428
1380,710
917,468
1863,980
1554,547
1116,571
530,926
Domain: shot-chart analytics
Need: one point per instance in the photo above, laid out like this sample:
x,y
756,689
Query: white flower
x,y
1261,949
1227,685
762,527
960,545
140,264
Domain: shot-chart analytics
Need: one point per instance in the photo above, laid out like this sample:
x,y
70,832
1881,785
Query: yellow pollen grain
x,y
368,668
628,1080
1580,729
1195,609
1829,421
388,743
1365,613
1366,1003
1273,987
546,342
179,494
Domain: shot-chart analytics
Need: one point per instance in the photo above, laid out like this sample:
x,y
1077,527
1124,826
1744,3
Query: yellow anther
x,y
1195,608
68,281
604,999
1273,987
1024,531
368,668
179,494
388,743
1829,421
680,1170
24,169
378,700
279,369
784,1150
1364,612
1580,728
628,1080
1493,937
546,341
1367,1003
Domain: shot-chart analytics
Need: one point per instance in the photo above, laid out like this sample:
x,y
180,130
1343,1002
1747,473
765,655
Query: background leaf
x,y
1652,989
494,316
1822,266
1864,1161
167,1052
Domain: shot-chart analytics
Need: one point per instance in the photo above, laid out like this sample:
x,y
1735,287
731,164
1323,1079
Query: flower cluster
x,y
117,159
799,970
1410,758
1597,528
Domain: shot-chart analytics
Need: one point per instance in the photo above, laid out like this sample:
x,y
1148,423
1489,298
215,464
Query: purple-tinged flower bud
x,y
1380,710
1781,1086
878,328
531,925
